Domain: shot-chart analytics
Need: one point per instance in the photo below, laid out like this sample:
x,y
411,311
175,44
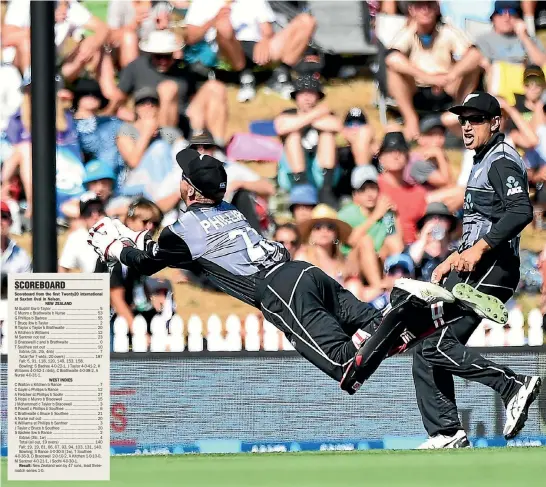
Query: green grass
x,y
523,467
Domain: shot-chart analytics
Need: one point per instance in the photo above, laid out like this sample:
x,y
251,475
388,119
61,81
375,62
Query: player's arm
x,y
510,184
169,251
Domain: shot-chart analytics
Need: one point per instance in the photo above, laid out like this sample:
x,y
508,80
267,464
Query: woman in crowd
x,y
289,236
323,235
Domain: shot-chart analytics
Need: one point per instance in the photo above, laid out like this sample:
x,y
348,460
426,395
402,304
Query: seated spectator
x,y
531,103
432,246
97,133
77,254
131,21
396,266
323,235
289,236
429,164
99,179
69,165
14,259
132,293
146,148
374,234
421,71
243,184
308,134
71,18
179,101
360,135
509,40
303,199
244,33
410,201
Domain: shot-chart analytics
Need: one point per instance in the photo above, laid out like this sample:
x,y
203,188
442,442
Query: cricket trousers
x,y
444,354
323,321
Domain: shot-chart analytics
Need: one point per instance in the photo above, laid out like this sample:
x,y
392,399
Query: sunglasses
x,y
6,216
162,56
328,226
286,243
473,119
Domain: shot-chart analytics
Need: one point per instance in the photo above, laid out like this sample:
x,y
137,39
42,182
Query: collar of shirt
x,y
480,153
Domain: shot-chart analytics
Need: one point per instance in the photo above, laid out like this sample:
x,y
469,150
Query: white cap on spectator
x,y
160,42
362,175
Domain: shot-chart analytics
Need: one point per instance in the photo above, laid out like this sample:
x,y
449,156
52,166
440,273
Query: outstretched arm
x,y
169,251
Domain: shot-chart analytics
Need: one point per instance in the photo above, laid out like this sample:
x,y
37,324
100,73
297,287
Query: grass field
x,y
525,467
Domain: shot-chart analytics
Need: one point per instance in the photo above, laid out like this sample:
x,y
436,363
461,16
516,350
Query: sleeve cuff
x,y
489,241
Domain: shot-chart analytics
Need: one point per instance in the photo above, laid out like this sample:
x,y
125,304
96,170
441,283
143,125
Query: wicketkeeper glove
x,y
105,240
137,238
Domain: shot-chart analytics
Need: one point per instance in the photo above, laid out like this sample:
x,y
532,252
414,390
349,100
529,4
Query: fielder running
x,y
342,336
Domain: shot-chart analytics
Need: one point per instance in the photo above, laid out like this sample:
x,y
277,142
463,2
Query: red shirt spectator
x,y
409,200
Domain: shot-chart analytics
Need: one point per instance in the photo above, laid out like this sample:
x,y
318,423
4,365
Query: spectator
x,y
420,64
360,135
308,134
303,199
374,234
531,103
431,248
14,258
244,33
131,21
99,179
243,184
97,133
71,19
146,148
69,164
289,236
77,254
409,200
429,164
323,235
396,266
158,69
509,41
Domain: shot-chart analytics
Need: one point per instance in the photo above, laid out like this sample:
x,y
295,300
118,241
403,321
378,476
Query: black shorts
x,y
323,321
248,49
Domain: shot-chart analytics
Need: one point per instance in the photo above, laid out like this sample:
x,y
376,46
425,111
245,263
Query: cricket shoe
x,y
458,440
484,305
517,408
424,291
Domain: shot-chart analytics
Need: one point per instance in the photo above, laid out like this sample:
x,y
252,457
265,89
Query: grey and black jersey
x,y
496,205
217,240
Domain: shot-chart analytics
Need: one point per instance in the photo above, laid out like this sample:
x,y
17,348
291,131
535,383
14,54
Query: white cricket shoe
x,y
458,440
425,291
518,407
247,88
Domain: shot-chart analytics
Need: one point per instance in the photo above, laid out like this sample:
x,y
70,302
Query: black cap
x,y
394,141
202,137
429,122
146,93
308,82
534,71
355,116
89,200
438,209
205,173
481,102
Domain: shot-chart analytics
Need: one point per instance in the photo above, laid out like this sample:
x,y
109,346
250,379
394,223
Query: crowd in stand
x,y
139,85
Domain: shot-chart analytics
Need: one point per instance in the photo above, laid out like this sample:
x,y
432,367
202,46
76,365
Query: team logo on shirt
x,y
468,205
513,186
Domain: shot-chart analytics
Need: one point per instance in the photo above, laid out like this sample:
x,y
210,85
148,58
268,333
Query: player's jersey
x,y
496,198
217,240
